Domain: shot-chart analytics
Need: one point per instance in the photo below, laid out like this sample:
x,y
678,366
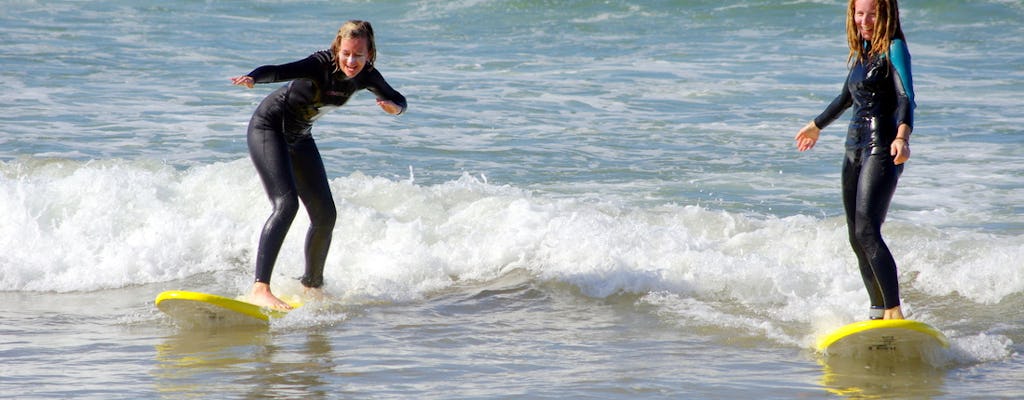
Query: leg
x,y
269,154
878,179
850,181
315,192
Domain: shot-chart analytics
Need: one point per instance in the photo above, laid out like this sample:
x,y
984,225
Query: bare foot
x,y
262,296
893,313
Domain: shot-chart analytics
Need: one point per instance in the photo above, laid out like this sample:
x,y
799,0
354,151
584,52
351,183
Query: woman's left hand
x,y
900,151
900,147
389,107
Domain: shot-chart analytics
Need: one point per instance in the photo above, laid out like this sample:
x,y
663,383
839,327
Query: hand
x,y
900,147
900,151
244,80
807,137
389,107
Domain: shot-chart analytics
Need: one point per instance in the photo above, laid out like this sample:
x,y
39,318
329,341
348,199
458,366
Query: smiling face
x,y
352,56
864,16
871,27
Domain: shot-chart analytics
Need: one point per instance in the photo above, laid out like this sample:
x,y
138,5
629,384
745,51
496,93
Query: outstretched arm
x,y
808,135
306,67
389,99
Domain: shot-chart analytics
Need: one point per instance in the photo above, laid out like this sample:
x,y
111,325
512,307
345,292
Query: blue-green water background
x,y
585,199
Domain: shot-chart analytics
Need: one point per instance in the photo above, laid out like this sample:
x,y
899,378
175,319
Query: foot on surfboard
x,y
893,313
262,297
878,312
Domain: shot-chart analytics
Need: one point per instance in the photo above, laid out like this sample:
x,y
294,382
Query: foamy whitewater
x,y
585,200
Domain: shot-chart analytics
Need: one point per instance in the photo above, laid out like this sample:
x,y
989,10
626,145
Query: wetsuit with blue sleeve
x,y
880,90
287,159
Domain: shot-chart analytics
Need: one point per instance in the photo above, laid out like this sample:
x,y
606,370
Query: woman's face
x,y
352,56
864,16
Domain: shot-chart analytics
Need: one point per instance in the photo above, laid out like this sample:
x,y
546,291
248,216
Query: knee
x,y
324,215
329,217
867,234
286,206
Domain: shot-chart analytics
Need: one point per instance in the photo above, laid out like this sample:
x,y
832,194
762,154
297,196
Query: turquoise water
x,y
585,199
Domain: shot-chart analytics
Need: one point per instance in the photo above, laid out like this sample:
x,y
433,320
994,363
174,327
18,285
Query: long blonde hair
x,y
355,29
887,28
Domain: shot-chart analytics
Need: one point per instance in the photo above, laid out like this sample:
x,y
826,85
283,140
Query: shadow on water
x,y
243,360
881,375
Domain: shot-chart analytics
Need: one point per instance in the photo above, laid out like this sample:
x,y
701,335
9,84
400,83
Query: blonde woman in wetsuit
x,y
286,157
880,90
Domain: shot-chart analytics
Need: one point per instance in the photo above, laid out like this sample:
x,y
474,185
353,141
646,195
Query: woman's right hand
x,y
807,137
244,80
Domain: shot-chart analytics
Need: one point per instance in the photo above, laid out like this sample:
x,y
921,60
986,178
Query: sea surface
x,y
585,199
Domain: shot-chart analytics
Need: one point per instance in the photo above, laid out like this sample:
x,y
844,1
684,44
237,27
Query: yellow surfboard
x,y
194,308
903,336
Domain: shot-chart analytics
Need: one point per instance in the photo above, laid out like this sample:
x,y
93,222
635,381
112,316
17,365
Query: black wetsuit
x,y
287,159
881,93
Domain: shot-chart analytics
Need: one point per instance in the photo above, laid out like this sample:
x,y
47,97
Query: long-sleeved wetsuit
x,y
287,159
882,95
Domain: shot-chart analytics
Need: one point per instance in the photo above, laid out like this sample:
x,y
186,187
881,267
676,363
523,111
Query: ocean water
x,y
585,199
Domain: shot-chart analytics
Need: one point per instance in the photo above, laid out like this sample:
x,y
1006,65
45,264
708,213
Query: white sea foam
x,y
96,225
